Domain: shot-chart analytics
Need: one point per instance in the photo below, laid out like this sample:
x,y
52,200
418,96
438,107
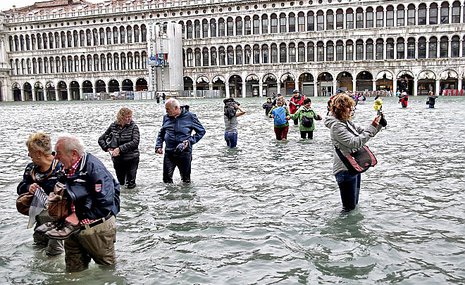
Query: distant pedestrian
x,y
403,99
295,102
268,105
431,101
232,110
281,116
307,117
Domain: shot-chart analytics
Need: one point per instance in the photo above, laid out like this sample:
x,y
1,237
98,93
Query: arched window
x,y
247,26
123,60
205,57
379,17
320,21
64,65
400,16
136,34
239,55
339,50
239,26
310,51
213,28
96,63
265,24
213,56
400,48
88,38
292,52
274,53
205,29
329,20
349,50
339,19
320,52
422,47
230,55
46,67
433,47
190,58
82,39
369,18
221,27
256,54
69,39
255,25
456,12
455,46
265,54
76,63
101,36
89,63
197,29
34,66
230,27
28,43
222,56
411,15
143,33
110,62
248,54
94,37
291,22
359,18
411,48
130,61
129,34
433,14
422,14
390,16
116,61
445,13
103,63
282,23
329,51
349,19
379,49
310,21
83,63
274,23
122,35
370,49
301,52
359,50
75,39
444,47
282,53
301,22
390,48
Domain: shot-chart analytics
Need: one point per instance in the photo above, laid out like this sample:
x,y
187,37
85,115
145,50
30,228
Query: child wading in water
x,y
306,117
280,114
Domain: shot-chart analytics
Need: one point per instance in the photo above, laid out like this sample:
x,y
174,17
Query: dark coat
x,y
126,138
45,180
176,130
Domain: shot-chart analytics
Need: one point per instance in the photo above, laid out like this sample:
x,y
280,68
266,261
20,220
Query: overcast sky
x,y
8,4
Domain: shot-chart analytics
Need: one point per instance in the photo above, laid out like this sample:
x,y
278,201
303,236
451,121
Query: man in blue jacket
x,y
94,195
176,132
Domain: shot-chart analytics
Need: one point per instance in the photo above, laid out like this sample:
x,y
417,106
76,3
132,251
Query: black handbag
x,y
358,161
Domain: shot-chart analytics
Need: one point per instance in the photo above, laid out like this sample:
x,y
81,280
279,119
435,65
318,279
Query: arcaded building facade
x,y
71,49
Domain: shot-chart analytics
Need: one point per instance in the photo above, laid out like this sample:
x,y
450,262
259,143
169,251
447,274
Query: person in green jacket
x,y
307,117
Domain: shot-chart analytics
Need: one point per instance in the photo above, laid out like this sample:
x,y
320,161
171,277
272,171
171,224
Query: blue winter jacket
x,y
176,130
93,190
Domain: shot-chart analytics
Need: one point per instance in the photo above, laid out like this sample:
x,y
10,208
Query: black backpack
x,y
229,110
307,121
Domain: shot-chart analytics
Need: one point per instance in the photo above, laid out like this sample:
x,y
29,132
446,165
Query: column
x,y
70,95
278,87
22,94
260,88
394,85
459,84
415,86
194,89
33,94
354,83
374,84
315,88
296,84
438,87
244,88
226,86
334,87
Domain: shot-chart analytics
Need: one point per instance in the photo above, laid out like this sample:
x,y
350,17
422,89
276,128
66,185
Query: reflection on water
x,y
266,212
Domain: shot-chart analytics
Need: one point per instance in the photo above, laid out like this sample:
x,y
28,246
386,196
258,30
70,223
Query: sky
x,y
8,4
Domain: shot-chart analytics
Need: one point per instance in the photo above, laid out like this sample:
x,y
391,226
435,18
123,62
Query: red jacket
x,y
298,101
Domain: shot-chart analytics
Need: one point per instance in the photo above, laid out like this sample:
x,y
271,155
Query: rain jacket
x,y
45,180
176,130
347,137
303,111
127,138
93,190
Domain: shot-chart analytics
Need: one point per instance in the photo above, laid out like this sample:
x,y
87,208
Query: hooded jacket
x,y
176,130
347,137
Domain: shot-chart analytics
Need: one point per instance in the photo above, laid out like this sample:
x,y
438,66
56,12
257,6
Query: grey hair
x,y
71,143
172,102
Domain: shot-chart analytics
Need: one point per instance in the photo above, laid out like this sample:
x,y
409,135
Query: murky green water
x,y
266,212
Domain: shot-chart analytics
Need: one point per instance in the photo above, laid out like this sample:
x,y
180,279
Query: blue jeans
x,y
349,187
231,139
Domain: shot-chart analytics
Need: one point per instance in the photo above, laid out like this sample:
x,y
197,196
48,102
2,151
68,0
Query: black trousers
x,y
126,170
180,160
303,134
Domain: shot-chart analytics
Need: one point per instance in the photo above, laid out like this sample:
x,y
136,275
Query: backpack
x,y
279,116
229,110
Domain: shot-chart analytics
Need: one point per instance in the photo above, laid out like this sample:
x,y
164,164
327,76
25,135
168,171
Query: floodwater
x,y
267,212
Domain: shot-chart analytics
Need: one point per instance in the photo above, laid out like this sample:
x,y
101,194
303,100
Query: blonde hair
x,y
40,141
122,113
341,106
